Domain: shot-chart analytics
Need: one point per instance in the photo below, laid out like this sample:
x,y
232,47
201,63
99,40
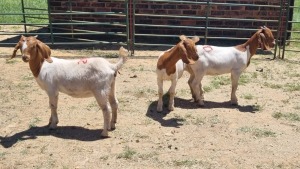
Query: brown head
x,y
265,38
188,50
33,49
185,50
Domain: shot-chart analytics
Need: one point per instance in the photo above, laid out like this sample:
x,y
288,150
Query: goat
x,y
20,44
78,78
171,64
215,60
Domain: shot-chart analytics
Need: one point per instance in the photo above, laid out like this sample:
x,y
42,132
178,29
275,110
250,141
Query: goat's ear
x,y
182,37
195,39
263,41
184,55
45,51
17,47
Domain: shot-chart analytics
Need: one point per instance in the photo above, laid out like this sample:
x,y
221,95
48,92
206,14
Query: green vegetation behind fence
x,y
15,6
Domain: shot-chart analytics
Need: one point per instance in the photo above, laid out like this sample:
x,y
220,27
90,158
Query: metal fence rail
x,y
69,31
64,31
207,28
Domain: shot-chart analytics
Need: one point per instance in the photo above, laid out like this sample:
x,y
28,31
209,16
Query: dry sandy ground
x,y
262,132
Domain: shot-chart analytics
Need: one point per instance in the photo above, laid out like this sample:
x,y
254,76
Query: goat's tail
x,y
123,54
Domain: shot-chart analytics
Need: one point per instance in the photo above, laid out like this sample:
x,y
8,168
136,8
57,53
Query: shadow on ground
x,y
64,132
189,104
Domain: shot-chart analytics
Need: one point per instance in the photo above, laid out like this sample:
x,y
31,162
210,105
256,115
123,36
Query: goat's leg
x,y
160,95
53,100
172,94
196,84
234,82
190,81
102,101
201,91
114,105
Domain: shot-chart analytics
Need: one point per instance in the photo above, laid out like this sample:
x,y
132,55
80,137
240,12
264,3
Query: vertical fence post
x,y
71,17
286,27
278,31
127,23
130,12
133,27
24,18
206,23
50,22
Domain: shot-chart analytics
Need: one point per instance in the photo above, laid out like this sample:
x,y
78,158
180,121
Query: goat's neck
x,y
253,44
35,62
168,60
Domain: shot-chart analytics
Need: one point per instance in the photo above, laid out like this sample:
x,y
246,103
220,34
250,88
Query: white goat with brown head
x,y
171,64
215,60
90,77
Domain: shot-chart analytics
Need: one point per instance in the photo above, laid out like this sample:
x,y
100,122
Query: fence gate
x,y
150,22
73,23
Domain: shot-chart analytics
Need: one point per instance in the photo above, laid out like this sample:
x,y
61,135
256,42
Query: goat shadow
x,y
64,132
189,104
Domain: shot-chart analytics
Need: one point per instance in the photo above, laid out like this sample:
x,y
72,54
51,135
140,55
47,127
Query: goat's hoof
x,y
234,104
159,110
200,103
104,134
113,127
52,126
171,108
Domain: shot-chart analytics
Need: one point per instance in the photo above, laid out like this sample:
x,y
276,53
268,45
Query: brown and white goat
x,y
171,64
215,60
80,78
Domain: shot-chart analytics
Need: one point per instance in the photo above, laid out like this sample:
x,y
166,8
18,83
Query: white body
x,y
215,60
75,77
161,76
80,78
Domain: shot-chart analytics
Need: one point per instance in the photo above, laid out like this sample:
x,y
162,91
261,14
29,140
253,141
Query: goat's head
x,y
265,38
188,49
31,47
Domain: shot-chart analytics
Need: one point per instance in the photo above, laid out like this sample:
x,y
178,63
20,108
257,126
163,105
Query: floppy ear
x,y
45,51
195,39
182,37
184,55
263,41
17,47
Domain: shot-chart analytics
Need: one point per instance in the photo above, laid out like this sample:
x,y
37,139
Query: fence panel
x,y
292,35
213,22
73,23
151,22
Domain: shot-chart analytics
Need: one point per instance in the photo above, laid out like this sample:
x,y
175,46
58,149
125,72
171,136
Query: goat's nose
x,y
25,58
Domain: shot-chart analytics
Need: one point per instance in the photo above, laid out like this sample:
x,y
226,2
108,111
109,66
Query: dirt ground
x,y
262,132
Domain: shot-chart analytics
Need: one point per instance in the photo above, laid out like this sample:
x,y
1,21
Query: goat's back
x,y
76,77
219,60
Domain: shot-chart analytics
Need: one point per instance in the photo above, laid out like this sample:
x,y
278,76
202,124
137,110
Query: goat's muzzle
x,y
25,58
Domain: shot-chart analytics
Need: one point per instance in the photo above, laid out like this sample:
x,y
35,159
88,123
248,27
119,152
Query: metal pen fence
x,y
64,32
132,28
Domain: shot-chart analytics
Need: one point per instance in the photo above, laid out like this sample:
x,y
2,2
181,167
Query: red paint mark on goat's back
x,y
207,48
83,60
